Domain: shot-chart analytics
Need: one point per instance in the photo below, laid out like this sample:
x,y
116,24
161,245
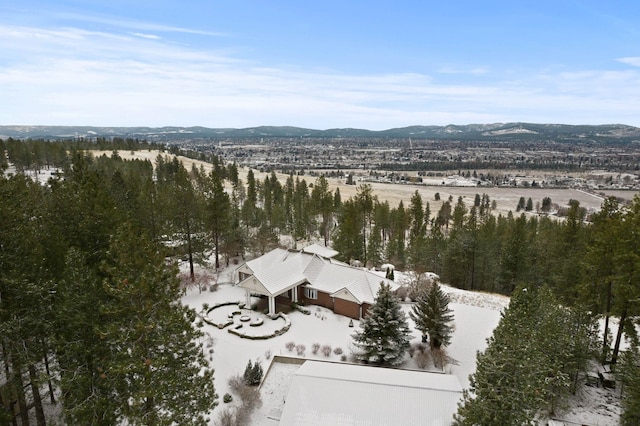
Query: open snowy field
x,y
506,197
476,315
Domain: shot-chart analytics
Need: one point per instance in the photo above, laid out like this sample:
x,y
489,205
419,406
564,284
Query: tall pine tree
x,y
385,334
629,373
433,317
157,368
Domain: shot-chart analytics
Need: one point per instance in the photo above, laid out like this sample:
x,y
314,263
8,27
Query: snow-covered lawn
x,y
476,315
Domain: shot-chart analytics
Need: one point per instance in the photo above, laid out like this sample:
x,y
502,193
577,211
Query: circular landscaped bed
x,y
233,314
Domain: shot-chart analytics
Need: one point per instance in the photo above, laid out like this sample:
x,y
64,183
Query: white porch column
x,y
272,305
294,294
247,300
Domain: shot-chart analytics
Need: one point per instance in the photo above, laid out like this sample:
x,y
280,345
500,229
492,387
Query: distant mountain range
x,y
496,131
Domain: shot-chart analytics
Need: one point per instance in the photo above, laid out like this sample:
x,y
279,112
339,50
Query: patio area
x,y
246,323
262,305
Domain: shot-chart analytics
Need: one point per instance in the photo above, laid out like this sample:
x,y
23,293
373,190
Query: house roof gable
x,y
345,294
253,284
281,269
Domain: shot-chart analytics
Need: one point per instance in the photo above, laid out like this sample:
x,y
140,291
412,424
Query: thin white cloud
x,y
75,76
631,60
147,36
137,25
471,71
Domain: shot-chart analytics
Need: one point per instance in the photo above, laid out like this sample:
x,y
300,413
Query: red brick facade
x,y
346,308
339,306
324,299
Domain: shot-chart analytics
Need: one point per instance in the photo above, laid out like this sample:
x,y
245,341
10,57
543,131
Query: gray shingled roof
x,y
281,269
324,393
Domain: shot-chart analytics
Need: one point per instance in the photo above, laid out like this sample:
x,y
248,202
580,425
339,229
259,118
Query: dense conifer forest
x,y
89,284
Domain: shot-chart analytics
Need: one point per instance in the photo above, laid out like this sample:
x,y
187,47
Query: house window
x,y
310,293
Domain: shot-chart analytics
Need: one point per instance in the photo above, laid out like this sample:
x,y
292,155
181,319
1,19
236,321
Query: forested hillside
x,y
520,132
89,285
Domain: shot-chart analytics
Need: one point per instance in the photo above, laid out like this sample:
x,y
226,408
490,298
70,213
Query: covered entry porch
x,y
253,285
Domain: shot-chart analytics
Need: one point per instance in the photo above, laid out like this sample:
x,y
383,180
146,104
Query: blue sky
x,y
365,64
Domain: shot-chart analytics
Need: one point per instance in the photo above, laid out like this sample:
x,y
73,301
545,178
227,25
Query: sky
x,y
372,64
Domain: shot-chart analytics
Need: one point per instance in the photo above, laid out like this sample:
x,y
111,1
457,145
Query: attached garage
x,y
327,393
344,303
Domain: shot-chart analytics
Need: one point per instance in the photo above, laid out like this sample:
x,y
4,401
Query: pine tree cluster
x,y
532,361
253,373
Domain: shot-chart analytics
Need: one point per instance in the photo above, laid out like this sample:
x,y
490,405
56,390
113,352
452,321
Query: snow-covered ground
x,y
476,315
42,176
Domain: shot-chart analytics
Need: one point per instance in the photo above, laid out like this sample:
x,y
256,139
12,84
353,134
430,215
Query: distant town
x,y
587,157
593,166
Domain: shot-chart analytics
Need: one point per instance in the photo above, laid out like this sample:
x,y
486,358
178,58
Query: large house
x,y
313,277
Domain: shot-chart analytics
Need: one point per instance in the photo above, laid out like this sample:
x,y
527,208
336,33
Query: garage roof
x,y
324,393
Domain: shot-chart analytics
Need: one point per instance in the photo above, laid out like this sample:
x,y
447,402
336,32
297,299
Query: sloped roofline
x,y
266,270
